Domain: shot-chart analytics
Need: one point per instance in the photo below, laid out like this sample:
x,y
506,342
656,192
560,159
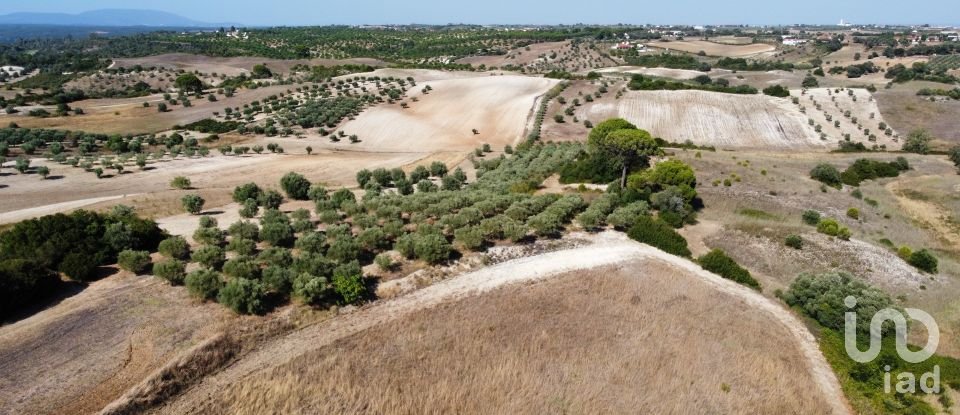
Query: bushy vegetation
x,y
827,174
717,262
659,235
864,169
76,245
821,296
642,83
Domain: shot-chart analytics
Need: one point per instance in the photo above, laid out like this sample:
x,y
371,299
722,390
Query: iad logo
x,y
906,381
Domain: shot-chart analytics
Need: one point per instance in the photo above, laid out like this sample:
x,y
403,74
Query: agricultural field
x,y
231,66
718,49
904,110
546,57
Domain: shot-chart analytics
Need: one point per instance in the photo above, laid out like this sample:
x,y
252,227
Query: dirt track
x,y
609,248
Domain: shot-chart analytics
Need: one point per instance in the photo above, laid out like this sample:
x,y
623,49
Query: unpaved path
x,y
609,248
29,213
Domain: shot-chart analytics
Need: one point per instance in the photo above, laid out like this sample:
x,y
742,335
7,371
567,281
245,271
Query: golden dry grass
x,y
641,337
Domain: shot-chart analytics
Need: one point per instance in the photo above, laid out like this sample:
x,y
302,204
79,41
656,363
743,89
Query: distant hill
x,y
106,17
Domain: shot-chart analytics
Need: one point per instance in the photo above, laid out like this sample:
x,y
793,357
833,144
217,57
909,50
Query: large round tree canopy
x,y
600,131
630,143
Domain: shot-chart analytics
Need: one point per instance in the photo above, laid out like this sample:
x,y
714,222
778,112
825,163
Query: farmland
x,y
714,48
531,219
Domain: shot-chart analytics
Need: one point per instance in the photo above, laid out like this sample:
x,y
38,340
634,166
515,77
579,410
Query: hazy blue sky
x,y
322,12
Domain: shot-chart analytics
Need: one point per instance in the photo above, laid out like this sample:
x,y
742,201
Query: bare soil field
x,y
710,118
519,354
81,354
442,120
714,48
905,111
682,74
231,66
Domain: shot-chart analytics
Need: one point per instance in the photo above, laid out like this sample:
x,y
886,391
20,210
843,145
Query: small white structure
x,y
792,41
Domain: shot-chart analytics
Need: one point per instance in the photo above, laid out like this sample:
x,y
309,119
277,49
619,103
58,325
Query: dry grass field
x,y
640,336
769,191
905,111
651,304
714,48
79,355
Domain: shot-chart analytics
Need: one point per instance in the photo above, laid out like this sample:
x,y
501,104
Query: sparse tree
x,y
192,203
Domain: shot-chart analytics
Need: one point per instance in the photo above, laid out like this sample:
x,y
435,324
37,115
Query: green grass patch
x,y
757,214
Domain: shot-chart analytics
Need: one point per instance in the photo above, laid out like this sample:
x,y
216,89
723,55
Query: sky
x,y
325,12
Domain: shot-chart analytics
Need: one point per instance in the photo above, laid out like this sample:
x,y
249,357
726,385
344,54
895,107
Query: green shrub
x,y
826,174
829,226
180,182
193,204
278,279
405,245
249,209
342,196
209,256
209,236
313,242
175,247
244,230
79,267
821,296
242,246
275,256
203,284
717,262
385,262
311,289
172,270
244,296
811,217
794,241
277,233
295,186
247,191
373,239
853,213
432,248
208,222
133,261
344,249
470,237
626,216
924,261
242,267
348,282
270,199
659,235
